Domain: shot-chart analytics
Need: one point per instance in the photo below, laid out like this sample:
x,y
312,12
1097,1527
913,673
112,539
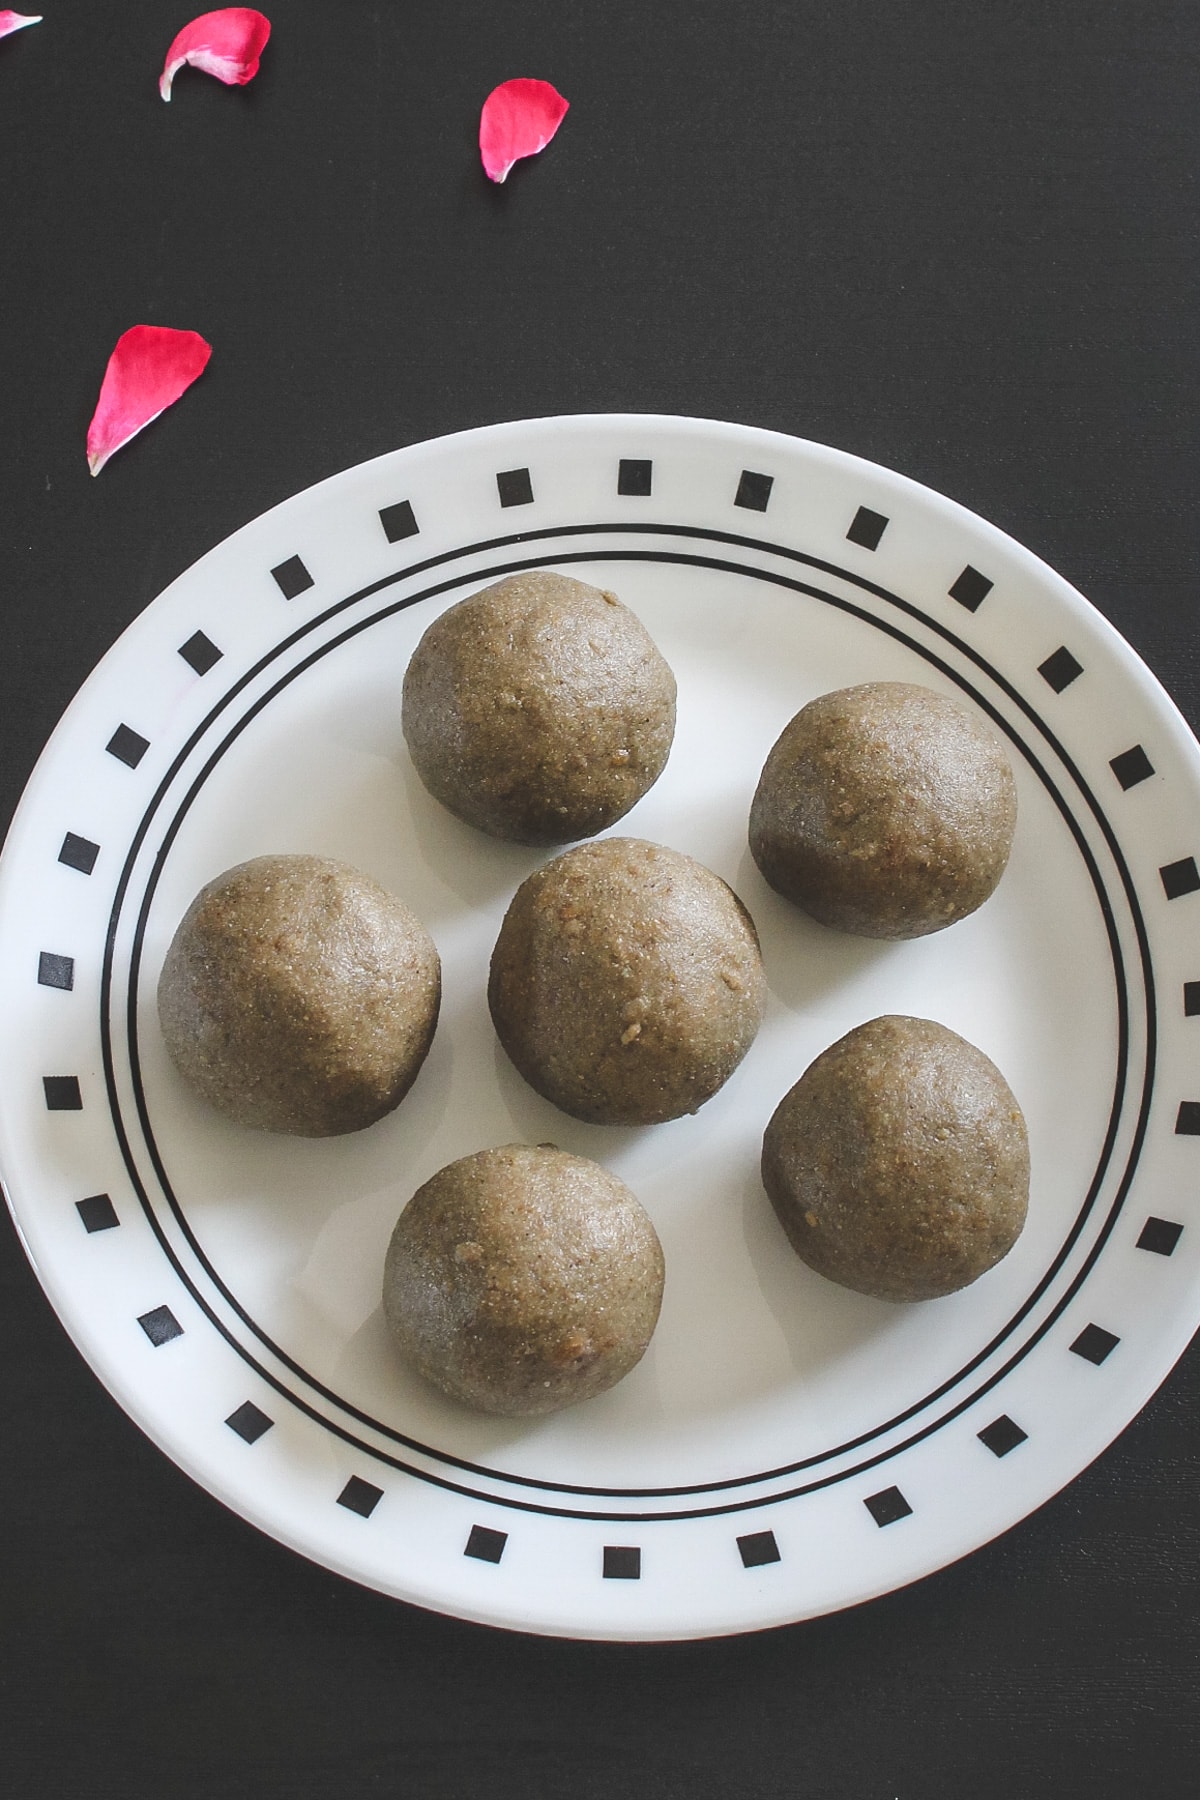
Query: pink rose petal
x,y
226,43
11,21
149,369
519,118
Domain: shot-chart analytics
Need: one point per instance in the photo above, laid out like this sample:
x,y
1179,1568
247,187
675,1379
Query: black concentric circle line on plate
x,y
184,1221
364,625
875,623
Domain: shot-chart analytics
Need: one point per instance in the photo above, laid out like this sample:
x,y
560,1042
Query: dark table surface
x,y
959,241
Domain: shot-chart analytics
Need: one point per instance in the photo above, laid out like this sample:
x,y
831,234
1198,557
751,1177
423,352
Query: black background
x,y
957,239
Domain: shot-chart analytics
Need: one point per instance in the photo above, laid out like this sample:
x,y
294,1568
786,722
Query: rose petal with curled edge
x,y
12,21
149,369
226,43
518,119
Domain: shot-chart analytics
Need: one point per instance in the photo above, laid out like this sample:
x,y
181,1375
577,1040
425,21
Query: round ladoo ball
x,y
899,1163
626,983
298,995
522,1280
886,810
538,710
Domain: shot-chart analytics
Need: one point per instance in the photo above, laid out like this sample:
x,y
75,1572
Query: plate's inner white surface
x,y
757,1362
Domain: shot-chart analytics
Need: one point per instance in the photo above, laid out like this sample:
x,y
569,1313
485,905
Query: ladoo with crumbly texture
x,y
898,1165
626,983
521,1280
887,810
298,995
538,710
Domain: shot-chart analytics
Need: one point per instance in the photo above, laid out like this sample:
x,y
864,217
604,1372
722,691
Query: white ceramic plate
x,y
786,1447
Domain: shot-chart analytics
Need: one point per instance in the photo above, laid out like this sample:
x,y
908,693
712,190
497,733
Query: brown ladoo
x,y
522,1280
626,983
298,995
887,810
899,1163
539,709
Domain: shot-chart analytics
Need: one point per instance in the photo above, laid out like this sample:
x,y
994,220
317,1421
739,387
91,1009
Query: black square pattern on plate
x,y
200,653
1094,1343
867,527
398,521
97,1212
1159,1235
484,1544
514,487
634,477
758,1548
887,1506
127,746
1178,878
971,589
160,1325
1060,669
62,1093
79,853
1132,766
56,971
754,491
1187,1119
249,1421
1191,999
1002,1435
622,1562
359,1496
292,578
